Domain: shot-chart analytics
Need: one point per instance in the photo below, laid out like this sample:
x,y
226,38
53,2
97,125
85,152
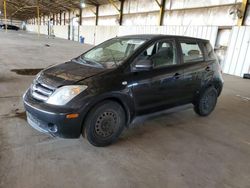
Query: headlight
x,y
64,94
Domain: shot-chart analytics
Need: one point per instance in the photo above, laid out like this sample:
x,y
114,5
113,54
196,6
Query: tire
x,y
104,123
206,102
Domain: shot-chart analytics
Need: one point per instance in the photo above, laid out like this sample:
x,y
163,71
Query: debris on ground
x,y
15,113
244,98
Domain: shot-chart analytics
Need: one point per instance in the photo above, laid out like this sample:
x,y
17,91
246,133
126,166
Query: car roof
x,y
154,36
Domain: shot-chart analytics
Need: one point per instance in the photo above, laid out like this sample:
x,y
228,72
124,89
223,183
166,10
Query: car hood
x,y
67,73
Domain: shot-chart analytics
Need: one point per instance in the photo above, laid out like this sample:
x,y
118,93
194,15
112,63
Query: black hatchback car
x,y
100,92
9,27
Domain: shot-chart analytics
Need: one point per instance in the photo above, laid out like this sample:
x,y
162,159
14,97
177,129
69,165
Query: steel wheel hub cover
x,y
106,124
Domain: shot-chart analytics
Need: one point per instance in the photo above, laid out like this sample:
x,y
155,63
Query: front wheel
x,y
206,102
104,123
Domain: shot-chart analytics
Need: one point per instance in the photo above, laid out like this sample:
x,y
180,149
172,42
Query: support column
x,y
5,14
38,18
69,18
56,18
80,16
53,19
97,15
242,13
60,17
162,11
69,27
64,16
121,12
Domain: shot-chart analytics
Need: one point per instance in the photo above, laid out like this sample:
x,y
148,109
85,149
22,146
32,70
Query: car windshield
x,y
111,53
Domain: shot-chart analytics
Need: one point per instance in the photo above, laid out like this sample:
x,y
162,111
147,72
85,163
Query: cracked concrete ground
x,y
175,150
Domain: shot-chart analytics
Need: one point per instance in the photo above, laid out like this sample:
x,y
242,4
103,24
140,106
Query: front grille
x,y
41,91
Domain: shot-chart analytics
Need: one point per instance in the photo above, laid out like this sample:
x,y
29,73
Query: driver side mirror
x,y
144,65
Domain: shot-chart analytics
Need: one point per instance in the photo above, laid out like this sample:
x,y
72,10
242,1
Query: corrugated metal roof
x,y
24,9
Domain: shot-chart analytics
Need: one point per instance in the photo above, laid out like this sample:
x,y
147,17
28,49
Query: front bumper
x,y
51,119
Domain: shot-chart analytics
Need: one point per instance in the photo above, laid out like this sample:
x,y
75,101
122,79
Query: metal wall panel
x,y
61,31
44,29
98,34
238,54
183,12
34,28
88,32
182,4
103,33
205,32
13,22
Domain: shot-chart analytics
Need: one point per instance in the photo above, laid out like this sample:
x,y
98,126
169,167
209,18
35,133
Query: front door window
x,y
161,54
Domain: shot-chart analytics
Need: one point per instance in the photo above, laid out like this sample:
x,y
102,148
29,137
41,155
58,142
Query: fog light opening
x,y
52,127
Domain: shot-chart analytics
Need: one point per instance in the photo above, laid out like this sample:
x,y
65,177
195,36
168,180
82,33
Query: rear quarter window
x,y
210,51
191,52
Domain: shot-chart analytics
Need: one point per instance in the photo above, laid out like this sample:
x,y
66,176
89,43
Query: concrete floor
x,y
175,150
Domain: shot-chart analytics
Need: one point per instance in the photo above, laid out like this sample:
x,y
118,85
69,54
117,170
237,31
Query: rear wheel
x,y
104,123
206,102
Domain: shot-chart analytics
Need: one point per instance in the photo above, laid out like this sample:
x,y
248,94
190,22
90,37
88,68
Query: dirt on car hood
x,y
68,73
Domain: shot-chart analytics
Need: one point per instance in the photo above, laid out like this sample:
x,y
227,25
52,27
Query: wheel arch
x,y
128,108
212,83
216,84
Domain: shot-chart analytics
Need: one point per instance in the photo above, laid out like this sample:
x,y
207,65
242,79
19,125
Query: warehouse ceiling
x,y
25,9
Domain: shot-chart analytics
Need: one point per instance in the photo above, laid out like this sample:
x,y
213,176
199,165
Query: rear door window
x,y
191,52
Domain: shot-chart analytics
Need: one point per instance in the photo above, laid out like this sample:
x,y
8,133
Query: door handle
x,y
177,75
207,69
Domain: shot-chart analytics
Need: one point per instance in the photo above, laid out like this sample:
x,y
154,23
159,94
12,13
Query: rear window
x,y
191,52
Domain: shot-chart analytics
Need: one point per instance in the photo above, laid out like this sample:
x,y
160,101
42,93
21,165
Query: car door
x,y
160,86
194,66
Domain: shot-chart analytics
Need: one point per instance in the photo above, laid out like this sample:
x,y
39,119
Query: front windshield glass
x,y
112,53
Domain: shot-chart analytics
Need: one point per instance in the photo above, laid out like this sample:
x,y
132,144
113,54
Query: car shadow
x,y
147,124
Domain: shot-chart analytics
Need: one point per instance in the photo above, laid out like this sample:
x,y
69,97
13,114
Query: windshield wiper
x,y
90,62
79,60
